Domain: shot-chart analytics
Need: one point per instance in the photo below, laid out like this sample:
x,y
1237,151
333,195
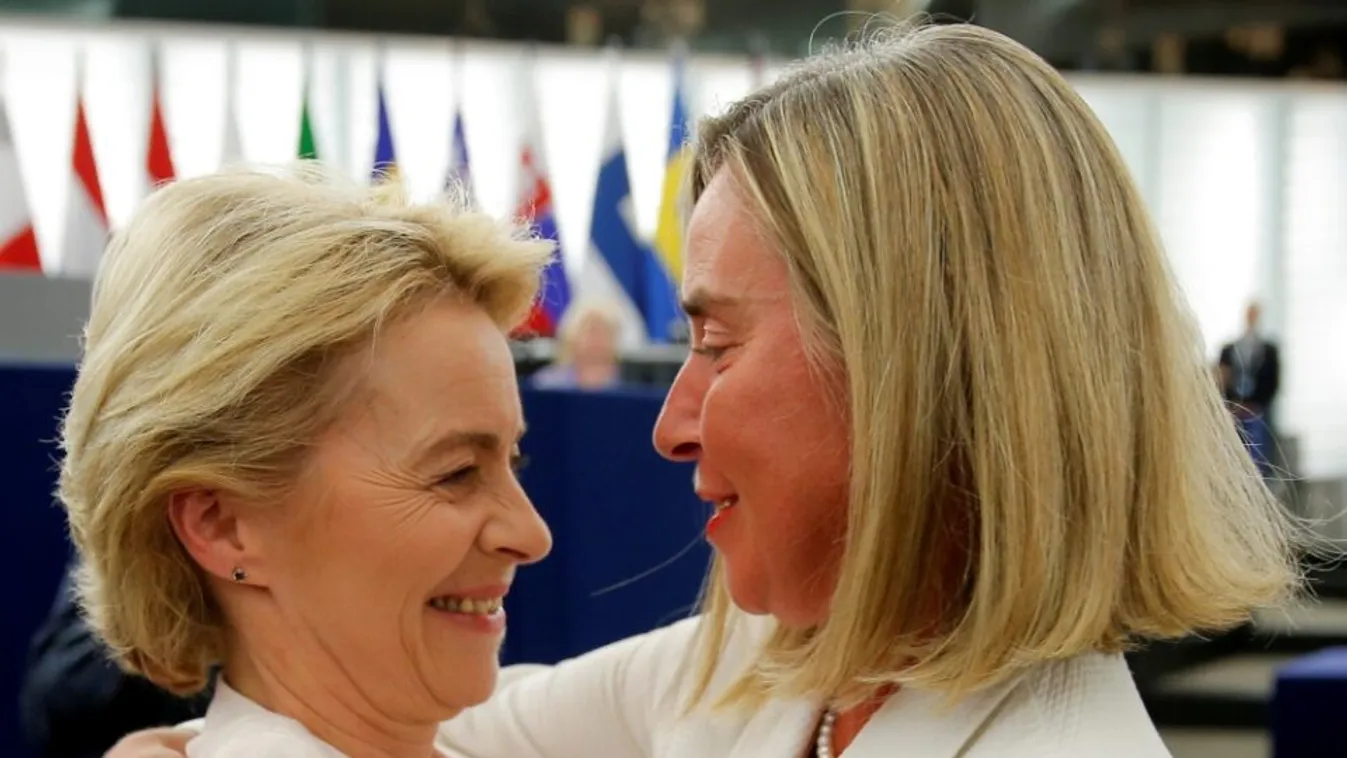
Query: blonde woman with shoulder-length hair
x,y
955,423
288,455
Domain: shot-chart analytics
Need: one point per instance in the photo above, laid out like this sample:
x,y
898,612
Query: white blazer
x,y
622,701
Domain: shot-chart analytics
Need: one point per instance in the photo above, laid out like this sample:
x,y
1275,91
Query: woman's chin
x,y
745,593
469,688
791,611
463,656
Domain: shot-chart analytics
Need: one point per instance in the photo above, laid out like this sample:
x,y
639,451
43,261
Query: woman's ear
x,y
208,526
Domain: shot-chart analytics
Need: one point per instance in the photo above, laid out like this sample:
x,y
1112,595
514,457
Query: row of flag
x,y
639,276
86,214
87,228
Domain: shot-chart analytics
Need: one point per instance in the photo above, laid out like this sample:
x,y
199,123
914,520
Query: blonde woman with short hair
x,y
587,349
288,455
954,421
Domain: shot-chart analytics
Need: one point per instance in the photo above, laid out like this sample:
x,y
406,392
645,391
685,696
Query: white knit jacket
x,y
621,701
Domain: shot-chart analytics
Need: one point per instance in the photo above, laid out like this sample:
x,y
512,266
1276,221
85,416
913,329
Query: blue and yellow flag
x,y
614,270
662,313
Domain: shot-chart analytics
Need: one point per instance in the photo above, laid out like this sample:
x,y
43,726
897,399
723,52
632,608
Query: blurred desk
x,y
628,554
647,365
1308,706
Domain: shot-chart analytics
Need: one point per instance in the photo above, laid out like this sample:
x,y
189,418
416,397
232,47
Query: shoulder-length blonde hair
x,y
1041,465
219,315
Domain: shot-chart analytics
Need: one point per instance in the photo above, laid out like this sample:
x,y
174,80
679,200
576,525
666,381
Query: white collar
x,y
921,722
233,716
911,722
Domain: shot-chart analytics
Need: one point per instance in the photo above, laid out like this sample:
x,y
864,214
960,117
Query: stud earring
x,y
239,574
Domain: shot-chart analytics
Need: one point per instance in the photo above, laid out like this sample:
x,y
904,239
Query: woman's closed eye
x,y
711,352
465,475
459,476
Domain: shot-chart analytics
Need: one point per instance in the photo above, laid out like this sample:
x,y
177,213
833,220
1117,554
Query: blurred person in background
x,y
951,416
1250,375
587,349
289,456
76,702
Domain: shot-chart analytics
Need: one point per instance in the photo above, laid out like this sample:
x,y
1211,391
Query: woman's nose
x,y
678,430
520,534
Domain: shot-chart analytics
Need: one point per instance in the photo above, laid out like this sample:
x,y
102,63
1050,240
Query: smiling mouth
x,y
467,606
722,507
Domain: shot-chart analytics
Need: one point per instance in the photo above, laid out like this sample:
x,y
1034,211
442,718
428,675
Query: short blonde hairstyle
x,y
1040,463
219,314
577,317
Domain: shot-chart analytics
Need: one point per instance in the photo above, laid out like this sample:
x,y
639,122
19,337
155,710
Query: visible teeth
x,y
726,503
466,605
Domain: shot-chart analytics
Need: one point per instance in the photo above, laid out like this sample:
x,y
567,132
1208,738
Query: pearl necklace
x,y
823,747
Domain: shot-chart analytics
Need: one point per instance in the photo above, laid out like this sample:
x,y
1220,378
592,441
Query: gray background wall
x,y
41,319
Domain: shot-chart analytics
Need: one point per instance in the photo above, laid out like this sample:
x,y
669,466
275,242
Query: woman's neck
x,y
330,707
851,721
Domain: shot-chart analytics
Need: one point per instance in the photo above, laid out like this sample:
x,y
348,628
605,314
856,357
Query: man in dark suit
x,y
1250,372
1251,367
76,703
